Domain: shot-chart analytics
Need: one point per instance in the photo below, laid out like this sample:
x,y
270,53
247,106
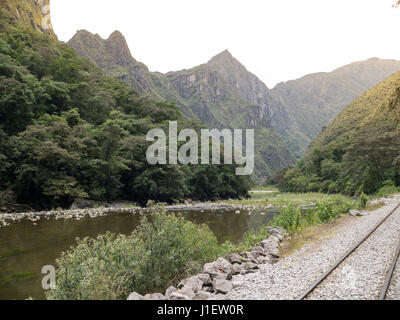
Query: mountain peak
x,y
117,35
223,57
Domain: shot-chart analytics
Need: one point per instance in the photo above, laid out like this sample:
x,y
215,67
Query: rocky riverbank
x,y
222,276
8,218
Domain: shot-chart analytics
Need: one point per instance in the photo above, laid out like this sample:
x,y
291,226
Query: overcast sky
x,y
278,40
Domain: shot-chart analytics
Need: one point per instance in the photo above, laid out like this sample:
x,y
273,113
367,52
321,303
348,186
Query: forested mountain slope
x,y
208,93
68,131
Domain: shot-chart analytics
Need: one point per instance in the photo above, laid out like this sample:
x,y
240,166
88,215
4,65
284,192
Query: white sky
x,y
278,40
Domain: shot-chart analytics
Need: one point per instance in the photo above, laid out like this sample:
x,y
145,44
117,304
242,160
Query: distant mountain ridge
x,y
222,93
314,100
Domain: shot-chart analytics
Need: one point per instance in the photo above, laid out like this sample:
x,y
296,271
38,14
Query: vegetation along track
x,y
386,284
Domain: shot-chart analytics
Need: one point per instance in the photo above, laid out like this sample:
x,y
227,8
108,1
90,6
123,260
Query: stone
x,y
179,296
279,236
274,238
203,295
154,297
250,266
208,289
235,258
193,282
170,291
238,269
220,269
258,249
246,254
270,247
263,260
354,213
255,255
188,292
222,286
135,297
205,278
275,230
223,265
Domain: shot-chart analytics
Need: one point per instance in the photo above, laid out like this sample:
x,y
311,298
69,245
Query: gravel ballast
x,y
361,276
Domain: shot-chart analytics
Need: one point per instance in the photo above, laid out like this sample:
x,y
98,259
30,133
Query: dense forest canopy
x,y
68,131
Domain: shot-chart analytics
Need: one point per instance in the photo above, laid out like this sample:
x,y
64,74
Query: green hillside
x,y
359,151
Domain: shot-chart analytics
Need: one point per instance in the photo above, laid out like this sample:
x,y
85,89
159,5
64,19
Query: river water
x,y
26,247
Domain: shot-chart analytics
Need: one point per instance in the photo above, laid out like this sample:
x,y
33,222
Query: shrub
x,y
164,248
289,219
363,200
387,190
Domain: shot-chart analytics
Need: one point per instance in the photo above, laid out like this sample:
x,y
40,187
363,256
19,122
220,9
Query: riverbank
x,y
8,218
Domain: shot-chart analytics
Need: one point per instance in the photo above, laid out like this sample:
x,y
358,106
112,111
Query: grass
x,y
279,199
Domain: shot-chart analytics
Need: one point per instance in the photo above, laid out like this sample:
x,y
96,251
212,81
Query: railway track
x,y
386,284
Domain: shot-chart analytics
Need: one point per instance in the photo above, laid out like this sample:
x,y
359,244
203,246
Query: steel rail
x,y
344,257
389,276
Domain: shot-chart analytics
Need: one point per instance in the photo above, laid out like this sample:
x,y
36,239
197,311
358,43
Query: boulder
x,y
193,282
263,260
246,255
135,297
222,286
255,255
250,266
205,278
279,236
170,291
203,295
223,265
179,296
276,230
270,247
186,293
274,238
154,297
235,258
354,213
220,269
238,269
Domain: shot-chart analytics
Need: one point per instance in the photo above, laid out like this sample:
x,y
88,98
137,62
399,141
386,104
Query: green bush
x,y
363,200
387,190
164,249
289,219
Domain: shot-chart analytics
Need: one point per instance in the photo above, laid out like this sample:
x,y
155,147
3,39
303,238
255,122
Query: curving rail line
x,y
386,285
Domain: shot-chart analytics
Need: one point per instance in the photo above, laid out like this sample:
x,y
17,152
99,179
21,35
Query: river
x,y
25,247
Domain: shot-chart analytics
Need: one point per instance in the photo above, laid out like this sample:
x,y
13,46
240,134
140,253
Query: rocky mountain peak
x,y
118,47
224,58
113,51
